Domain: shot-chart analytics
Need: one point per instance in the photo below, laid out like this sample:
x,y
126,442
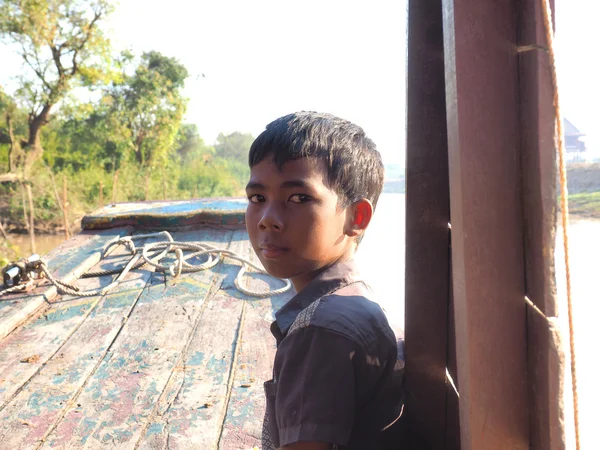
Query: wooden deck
x,y
156,363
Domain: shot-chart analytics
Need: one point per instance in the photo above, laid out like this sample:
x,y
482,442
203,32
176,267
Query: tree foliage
x,y
128,143
151,105
234,146
62,46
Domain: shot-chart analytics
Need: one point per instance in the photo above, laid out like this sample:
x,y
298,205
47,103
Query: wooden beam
x,y
427,235
482,104
538,157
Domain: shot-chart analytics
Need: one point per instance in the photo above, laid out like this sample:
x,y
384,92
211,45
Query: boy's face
x,y
293,219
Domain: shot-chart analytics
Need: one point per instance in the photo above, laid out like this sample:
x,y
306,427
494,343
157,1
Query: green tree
x,y
189,145
13,122
62,46
234,146
151,105
88,136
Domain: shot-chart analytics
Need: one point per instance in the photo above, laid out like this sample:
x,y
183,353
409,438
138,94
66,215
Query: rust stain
x,y
31,359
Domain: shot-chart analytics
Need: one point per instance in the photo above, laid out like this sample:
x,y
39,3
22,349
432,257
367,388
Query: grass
x,y
586,204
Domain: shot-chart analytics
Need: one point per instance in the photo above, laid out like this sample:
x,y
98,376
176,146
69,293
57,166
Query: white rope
x,y
17,288
153,254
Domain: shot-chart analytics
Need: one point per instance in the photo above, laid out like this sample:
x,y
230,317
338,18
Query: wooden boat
x,y
484,358
158,362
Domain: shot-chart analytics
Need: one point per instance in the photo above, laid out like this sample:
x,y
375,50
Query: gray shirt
x,y
337,376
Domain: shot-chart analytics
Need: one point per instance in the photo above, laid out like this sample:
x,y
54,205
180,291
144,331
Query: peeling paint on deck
x,y
148,364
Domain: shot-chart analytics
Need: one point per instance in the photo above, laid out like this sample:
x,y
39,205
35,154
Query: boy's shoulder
x,y
351,312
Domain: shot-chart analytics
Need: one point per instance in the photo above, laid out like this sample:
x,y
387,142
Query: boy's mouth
x,y
272,251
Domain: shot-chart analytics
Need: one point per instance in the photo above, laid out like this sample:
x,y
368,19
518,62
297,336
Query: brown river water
x,y
381,258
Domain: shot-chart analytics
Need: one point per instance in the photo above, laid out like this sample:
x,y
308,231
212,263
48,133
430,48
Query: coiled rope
x,y
153,254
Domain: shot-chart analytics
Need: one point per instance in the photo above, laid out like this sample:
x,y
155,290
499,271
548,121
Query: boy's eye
x,y
256,198
300,198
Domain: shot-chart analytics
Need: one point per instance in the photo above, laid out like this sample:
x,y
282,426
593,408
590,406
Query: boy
x,y
314,184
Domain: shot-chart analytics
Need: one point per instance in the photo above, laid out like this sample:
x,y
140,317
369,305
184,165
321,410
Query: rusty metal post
x,y
492,322
427,235
482,104
545,356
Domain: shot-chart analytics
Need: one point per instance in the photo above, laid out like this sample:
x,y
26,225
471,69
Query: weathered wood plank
x,y
67,261
486,208
122,396
33,413
546,355
255,350
191,416
170,215
538,156
41,338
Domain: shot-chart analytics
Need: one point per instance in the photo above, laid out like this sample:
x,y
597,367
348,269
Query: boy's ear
x,y
359,217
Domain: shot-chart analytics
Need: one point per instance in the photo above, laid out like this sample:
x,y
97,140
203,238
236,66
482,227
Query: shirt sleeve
x,y
315,378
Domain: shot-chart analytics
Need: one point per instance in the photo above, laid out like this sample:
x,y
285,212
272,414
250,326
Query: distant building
x,y
574,147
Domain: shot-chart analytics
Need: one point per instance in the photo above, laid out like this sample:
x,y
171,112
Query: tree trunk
x,y
35,126
146,196
24,198
15,152
65,211
164,184
114,187
62,204
33,147
11,145
4,232
31,217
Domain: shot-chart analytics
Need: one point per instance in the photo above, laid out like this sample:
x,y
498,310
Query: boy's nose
x,y
270,221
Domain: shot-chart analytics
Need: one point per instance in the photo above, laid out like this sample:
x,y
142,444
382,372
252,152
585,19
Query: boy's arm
x,y
315,389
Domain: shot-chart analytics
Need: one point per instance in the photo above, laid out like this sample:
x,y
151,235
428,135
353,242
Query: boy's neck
x,y
302,281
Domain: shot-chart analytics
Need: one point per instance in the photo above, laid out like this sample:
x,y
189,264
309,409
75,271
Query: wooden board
x,y
55,386
427,237
255,351
44,362
157,363
190,414
545,368
486,208
66,262
122,396
216,399
41,338
169,215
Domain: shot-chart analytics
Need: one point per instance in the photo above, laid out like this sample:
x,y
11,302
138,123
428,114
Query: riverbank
x,y
585,204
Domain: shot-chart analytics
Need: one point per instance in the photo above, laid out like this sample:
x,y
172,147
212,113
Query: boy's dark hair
x,y
354,166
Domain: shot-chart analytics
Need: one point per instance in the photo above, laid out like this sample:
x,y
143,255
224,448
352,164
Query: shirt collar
x,y
331,279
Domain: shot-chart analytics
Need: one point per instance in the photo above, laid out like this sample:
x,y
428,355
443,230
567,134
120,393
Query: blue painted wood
x,y
65,262
169,215
156,362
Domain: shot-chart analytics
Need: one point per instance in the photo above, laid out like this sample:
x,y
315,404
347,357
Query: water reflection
x,y
43,243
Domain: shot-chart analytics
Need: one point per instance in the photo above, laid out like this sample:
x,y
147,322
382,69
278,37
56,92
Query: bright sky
x,y
578,47
265,58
